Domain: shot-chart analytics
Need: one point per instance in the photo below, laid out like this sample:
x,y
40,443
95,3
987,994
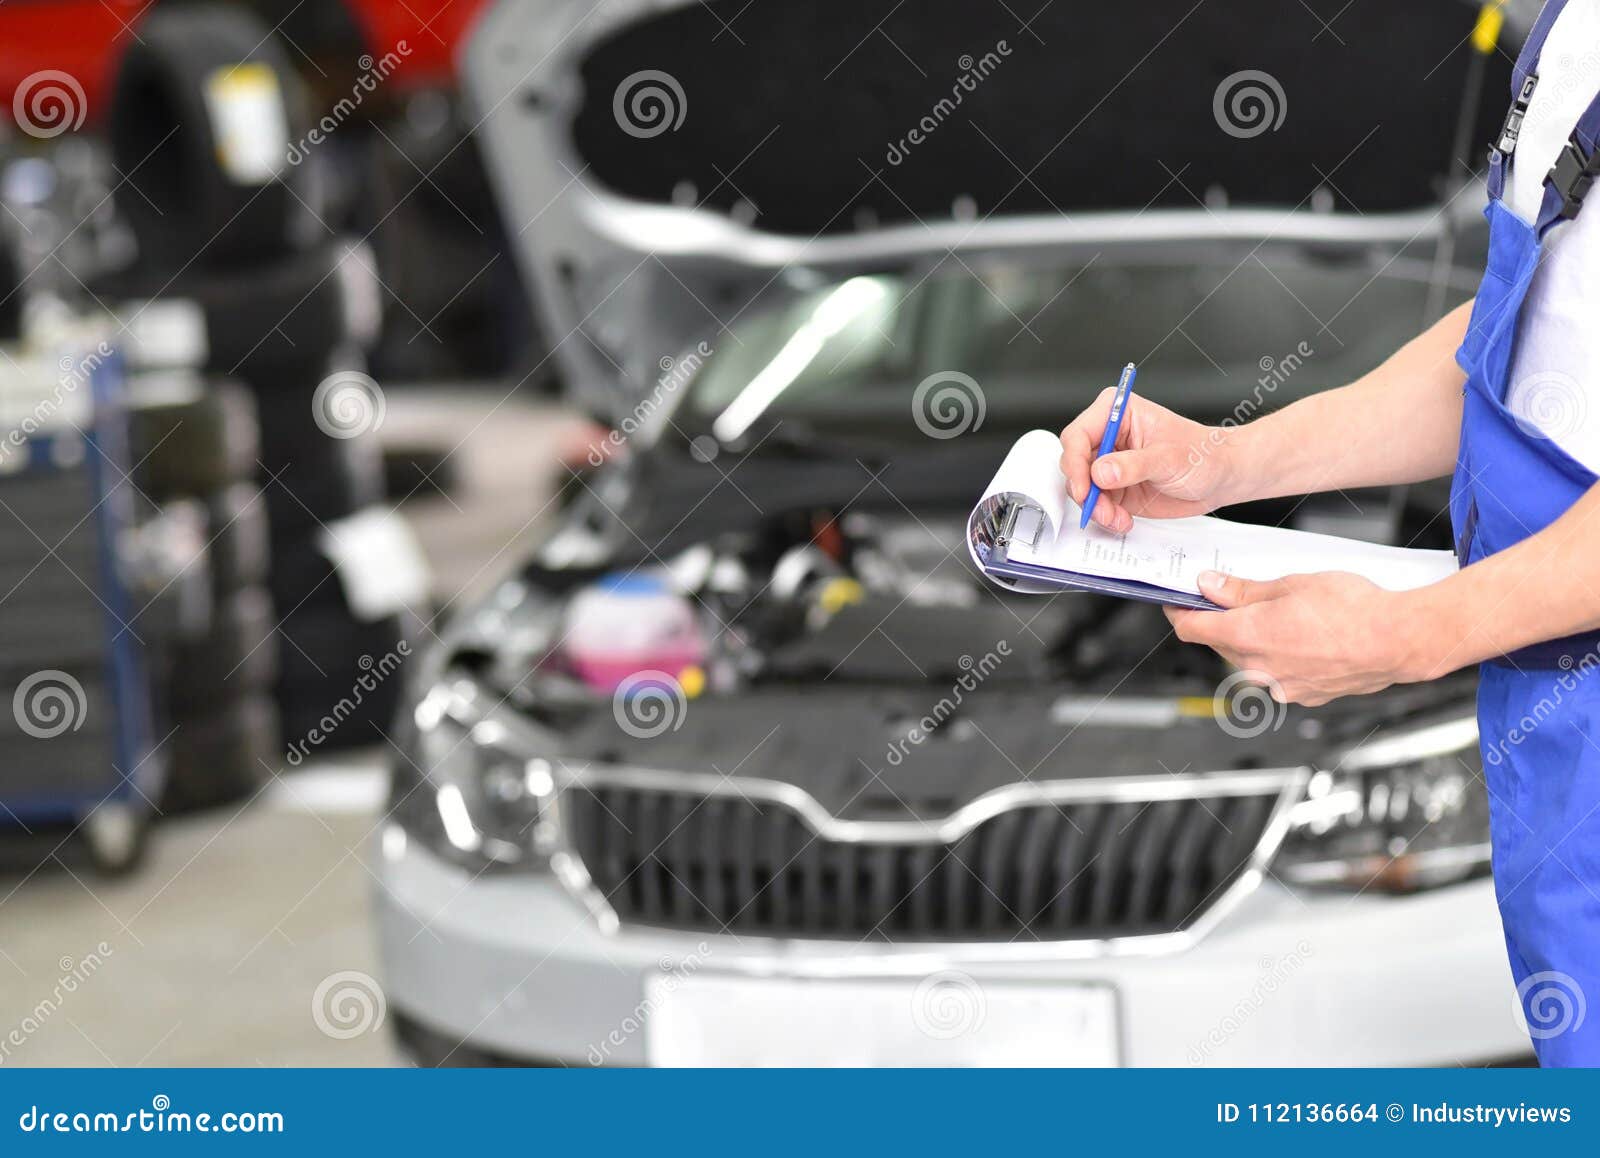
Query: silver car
x,y
747,766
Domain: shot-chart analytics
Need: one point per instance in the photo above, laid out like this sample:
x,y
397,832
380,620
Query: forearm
x,y
1399,424
1545,587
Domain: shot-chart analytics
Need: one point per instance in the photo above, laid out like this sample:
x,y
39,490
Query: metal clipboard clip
x,y
1021,521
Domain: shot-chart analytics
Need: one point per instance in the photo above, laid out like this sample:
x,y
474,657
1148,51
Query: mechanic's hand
x,y
1164,467
1310,638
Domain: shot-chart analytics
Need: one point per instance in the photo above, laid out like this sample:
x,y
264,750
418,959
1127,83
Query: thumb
x,y
1230,591
1125,468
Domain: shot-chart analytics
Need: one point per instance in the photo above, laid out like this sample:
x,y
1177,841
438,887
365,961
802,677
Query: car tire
x,y
195,198
316,480
190,440
239,540
329,660
237,657
283,318
304,577
224,756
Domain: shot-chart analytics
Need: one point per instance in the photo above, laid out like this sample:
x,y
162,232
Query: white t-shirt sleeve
x,y
1555,371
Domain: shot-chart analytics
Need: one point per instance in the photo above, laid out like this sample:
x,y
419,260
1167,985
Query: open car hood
x,y
664,166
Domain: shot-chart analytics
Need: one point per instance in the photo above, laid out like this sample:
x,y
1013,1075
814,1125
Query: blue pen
x,y
1108,440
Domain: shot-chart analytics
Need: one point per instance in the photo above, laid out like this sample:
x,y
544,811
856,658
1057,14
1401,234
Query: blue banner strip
x,y
901,1112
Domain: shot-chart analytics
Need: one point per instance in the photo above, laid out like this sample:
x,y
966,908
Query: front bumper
x,y
514,966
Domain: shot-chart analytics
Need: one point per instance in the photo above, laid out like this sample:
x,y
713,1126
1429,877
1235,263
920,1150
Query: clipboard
x,y
1024,536
999,566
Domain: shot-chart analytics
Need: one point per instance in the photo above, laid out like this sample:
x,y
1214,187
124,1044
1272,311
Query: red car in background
x,y
82,39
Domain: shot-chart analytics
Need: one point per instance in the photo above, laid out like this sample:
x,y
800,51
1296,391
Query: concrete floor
x,y
213,952
216,945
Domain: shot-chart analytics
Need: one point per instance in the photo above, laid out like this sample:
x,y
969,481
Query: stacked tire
x,y
221,221
197,443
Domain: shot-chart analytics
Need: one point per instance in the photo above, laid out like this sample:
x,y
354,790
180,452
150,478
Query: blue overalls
x,y
1538,709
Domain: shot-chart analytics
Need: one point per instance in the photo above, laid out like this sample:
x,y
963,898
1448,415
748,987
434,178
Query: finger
x,y
1226,633
1156,465
1077,452
1231,591
1111,515
1079,442
1194,626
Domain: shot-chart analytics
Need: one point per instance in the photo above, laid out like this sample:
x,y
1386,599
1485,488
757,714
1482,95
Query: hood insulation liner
x,y
795,107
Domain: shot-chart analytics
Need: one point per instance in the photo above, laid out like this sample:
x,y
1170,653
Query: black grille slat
x,y
744,829
959,884
919,910
647,875
715,816
1243,817
813,907
1149,862
995,898
774,894
1079,842
1033,863
677,854
604,819
888,862
846,896
1110,872
1190,884
1081,869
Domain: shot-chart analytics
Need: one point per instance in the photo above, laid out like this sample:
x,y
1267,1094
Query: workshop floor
x,y
219,942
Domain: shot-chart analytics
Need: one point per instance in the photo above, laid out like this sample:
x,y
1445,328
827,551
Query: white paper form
x,y
1167,553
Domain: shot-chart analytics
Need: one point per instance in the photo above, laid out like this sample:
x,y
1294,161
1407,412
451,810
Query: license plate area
x,y
946,1019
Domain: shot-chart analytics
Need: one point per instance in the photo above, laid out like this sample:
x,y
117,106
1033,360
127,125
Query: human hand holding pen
x,y
1164,465
1108,440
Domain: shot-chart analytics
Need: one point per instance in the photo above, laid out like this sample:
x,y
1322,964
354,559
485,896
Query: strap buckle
x,y
1572,175
1506,144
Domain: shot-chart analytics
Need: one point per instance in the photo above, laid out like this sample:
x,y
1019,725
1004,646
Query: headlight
x,y
470,787
1398,814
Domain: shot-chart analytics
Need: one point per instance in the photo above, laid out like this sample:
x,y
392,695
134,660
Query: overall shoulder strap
x,y
1524,79
1575,170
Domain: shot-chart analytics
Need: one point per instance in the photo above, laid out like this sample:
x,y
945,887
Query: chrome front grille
x,y
1052,862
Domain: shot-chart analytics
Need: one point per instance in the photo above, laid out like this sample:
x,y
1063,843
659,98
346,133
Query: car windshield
x,y
1250,329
